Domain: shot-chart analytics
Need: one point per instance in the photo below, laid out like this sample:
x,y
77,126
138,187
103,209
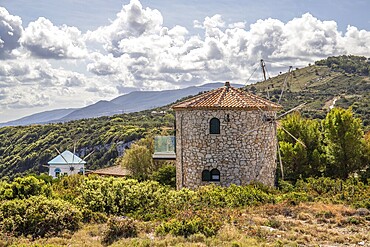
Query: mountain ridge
x,y
132,102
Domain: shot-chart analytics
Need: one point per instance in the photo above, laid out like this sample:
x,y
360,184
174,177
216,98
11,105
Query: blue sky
x,y
71,53
91,14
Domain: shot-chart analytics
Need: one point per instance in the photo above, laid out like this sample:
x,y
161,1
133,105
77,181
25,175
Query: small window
x,y
215,175
81,172
57,172
206,175
214,126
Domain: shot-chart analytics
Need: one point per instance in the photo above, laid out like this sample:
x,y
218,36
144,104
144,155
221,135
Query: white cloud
x,y
16,98
132,21
356,42
10,31
136,51
45,40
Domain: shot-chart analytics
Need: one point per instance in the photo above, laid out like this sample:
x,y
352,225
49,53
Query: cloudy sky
x,y
71,53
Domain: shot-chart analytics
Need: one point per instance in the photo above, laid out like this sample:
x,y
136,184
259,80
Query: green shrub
x,y
114,196
119,227
232,196
206,222
24,187
38,216
294,198
165,175
93,217
285,186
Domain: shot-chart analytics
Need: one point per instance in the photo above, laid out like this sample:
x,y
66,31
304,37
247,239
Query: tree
x,y
138,159
345,144
298,160
365,172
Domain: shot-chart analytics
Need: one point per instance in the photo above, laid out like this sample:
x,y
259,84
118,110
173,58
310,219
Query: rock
x,y
362,211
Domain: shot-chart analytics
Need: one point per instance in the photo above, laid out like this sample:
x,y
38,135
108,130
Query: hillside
x,y
338,81
26,149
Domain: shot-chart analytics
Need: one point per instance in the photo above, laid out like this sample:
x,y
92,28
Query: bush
x,y
24,187
93,217
38,216
206,222
165,175
119,227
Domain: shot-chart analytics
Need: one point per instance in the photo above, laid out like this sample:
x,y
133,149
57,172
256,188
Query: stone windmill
x,y
211,141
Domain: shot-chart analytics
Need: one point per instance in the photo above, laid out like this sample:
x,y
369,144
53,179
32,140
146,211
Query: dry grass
x,y
308,224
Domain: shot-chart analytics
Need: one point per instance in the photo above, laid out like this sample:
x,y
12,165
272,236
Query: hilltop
x,y
337,81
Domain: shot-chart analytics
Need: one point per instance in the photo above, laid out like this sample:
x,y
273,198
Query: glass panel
x,y
214,126
215,175
164,144
206,175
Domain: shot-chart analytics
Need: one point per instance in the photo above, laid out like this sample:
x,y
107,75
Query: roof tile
x,y
227,97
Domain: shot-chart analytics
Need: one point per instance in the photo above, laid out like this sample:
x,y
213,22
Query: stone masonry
x,y
241,157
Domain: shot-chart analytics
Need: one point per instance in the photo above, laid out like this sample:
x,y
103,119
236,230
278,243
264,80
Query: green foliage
x,y
38,216
119,227
351,191
138,160
299,160
166,175
349,64
25,149
232,196
192,222
318,85
344,143
335,149
67,187
182,213
117,196
22,188
365,173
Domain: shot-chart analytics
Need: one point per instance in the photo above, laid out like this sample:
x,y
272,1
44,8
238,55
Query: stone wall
x,y
241,157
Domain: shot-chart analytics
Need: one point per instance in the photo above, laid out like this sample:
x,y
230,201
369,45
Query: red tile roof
x,y
227,97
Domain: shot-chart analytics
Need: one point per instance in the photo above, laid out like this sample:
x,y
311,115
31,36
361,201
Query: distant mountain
x,y
131,102
99,109
143,100
42,117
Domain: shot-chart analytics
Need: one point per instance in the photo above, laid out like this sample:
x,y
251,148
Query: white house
x,y
66,163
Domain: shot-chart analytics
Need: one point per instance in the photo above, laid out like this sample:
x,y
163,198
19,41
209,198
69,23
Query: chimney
x,y
227,84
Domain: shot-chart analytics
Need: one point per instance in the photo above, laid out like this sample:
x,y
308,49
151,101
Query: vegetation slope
x,y
336,81
93,211
341,81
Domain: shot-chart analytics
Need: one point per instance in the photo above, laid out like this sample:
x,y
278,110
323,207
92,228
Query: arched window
x,y
214,126
215,175
57,172
206,175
